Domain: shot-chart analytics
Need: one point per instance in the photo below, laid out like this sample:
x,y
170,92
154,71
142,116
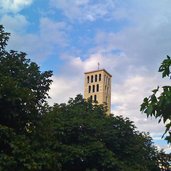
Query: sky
x,y
129,38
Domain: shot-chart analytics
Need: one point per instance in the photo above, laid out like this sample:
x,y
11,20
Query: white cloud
x,y
14,6
16,23
53,32
128,96
84,10
63,88
145,40
41,44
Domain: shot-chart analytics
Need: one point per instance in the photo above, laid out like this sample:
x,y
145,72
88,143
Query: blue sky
x,y
129,38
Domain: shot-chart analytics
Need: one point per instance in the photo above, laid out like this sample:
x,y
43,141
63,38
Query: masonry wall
x,y
97,86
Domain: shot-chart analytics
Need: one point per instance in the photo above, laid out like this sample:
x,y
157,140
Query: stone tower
x,y
97,86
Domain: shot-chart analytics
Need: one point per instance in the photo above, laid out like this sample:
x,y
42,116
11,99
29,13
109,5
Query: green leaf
x,y
160,106
149,110
155,90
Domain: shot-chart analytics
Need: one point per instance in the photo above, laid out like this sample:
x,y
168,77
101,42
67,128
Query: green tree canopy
x,y
159,106
23,88
87,139
23,92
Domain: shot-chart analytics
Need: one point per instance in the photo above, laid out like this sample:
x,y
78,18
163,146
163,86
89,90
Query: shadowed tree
x,y
23,88
158,104
87,139
23,93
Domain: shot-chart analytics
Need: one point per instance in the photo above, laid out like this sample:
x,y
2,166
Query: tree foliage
x,y
87,139
23,88
159,106
164,160
23,92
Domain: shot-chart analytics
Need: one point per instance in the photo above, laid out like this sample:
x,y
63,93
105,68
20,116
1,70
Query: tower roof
x,y
98,71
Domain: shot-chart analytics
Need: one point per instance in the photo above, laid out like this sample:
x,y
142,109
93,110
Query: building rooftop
x,y
98,71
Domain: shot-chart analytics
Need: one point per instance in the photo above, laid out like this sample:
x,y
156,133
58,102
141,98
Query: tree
x,y
23,93
164,160
20,152
23,88
87,139
159,106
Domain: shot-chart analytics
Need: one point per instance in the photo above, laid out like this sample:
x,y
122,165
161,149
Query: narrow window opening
x,y
93,88
95,78
97,88
99,77
89,89
95,98
91,98
88,79
92,78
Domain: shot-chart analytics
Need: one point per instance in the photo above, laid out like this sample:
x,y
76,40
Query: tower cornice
x,y
98,71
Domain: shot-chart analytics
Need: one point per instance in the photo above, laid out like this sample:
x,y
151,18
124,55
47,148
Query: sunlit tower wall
x,y
97,86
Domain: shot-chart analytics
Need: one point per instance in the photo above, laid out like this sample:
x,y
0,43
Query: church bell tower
x,y
97,86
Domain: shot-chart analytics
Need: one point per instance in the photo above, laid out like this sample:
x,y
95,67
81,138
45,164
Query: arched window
x,y
100,77
88,79
95,98
91,98
93,88
89,89
97,87
92,78
95,78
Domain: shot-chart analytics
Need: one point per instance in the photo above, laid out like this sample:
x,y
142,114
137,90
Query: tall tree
x,y
23,88
23,92
159,106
